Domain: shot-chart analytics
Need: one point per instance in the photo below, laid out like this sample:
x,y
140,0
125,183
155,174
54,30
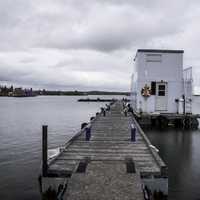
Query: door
x,y
161,96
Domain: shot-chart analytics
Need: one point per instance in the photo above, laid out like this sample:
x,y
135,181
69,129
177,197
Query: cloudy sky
x,y
90,44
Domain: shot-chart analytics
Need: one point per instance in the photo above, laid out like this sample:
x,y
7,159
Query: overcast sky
x,y
90,44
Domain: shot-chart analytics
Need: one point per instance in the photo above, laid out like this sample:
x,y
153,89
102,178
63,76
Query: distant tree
x,y
11,88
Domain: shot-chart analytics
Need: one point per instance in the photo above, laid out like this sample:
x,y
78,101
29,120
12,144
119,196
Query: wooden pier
x,y
111,158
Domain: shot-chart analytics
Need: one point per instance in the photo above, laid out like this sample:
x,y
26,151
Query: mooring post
x,y
133,133
125,113
87,133
104,112
44,150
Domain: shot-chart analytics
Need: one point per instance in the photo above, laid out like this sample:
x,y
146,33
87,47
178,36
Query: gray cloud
x,y
90,44
108,27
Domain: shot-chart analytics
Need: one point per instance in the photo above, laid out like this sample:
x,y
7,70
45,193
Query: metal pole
x,y
183,104
44,150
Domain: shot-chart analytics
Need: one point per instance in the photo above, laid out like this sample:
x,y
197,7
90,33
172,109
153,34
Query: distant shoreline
x,y
69,93
83,93
30,92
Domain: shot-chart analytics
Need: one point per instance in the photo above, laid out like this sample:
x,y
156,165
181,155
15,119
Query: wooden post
x,y
104,113
44,150
87,133
133,133
125,113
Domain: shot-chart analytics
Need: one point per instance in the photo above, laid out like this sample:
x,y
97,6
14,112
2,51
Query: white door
x,y
161,96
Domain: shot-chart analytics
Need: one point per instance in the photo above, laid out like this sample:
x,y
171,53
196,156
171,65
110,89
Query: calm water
x,y
20,137
181,152
20,144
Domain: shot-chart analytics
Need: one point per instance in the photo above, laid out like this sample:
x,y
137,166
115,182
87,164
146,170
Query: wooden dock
x,y
164,120
112,161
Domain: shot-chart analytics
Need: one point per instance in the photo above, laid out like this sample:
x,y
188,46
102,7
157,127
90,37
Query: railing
x,y
187,86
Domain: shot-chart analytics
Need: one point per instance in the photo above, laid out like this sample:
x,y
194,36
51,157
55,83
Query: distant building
x,y
159,83
19,92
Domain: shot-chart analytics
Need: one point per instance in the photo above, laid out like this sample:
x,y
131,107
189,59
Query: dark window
x,y
153,88
161,93
161,87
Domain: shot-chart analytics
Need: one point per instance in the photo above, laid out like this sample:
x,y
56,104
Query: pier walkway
x,y
110,165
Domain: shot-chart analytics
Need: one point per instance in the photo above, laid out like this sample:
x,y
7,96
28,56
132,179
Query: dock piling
x,y
133,133
87,133
104,112
44,150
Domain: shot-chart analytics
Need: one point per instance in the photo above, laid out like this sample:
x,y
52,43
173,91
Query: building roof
x,y
160,51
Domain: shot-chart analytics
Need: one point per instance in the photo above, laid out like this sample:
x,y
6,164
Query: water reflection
x,y
179,149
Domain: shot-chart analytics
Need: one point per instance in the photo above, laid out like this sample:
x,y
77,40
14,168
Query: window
x,y
161,87
153,57
161,93
153,88
161,90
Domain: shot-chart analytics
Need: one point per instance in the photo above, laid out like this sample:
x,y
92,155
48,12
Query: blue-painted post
x,y
87,133
133,133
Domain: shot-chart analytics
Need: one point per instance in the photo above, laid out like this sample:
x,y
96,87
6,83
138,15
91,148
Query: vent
x,y
153,57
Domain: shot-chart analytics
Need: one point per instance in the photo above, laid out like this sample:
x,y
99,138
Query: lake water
x,y
181,152
20,144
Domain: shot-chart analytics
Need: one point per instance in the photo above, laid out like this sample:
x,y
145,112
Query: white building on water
x,y
159,82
